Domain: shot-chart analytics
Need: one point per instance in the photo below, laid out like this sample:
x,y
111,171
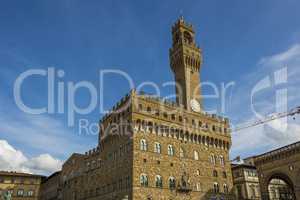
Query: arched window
x,y
224,175
143,145
140,107
215,173
157,147
193,123
212,159
144,180
198,172
198,187
187,37
181,153
148,109
216,188
196,155
225,187
170,150
158,181
222,161
172,183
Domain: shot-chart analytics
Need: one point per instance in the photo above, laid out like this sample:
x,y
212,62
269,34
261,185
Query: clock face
x,y
195,105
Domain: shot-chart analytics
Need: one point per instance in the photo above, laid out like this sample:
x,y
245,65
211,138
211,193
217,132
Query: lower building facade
x,y
51,187
19,186
153,150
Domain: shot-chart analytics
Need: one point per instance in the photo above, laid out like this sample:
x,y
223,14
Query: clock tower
x,y
185,61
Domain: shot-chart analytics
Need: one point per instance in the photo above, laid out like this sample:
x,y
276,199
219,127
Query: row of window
x,y
19,192
194,124
171,152
16,180
111,156
121,184
180,134
144,181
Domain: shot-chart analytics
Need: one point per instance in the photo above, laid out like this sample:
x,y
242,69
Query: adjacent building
x,y
279,172
245,181
51,187
20,186
272,175
152,148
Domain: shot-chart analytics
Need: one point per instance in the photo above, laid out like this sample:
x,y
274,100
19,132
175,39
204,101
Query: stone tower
x,y
185,61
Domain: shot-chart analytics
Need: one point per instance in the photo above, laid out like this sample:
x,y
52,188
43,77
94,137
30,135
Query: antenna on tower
x,y
181,14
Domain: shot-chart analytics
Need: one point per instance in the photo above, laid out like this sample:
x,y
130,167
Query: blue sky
x,y
242,41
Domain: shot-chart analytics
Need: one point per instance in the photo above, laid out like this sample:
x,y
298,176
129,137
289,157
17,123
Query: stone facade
x,y
245,181
185,61
150,148
280,164
20,186
51,187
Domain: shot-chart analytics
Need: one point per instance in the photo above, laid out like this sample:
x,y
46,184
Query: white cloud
x,y
265,137
282,58
259,139
40,133
14,160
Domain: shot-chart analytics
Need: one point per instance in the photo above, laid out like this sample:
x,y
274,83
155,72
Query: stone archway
x,y
280,187
282,163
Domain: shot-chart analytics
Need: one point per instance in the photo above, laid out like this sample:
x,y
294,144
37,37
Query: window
x,y
30,193
181,153
213,127
200,124
127,182
187,37
180,118
225,187
144,180
157,147
198,172
120,184
165,115
170,150
196,155
148,109
20,192
212,159
215,173
173,117
224,175
143,145
198,187
216,188
140,107
215,159
222,161
172,183
158,181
